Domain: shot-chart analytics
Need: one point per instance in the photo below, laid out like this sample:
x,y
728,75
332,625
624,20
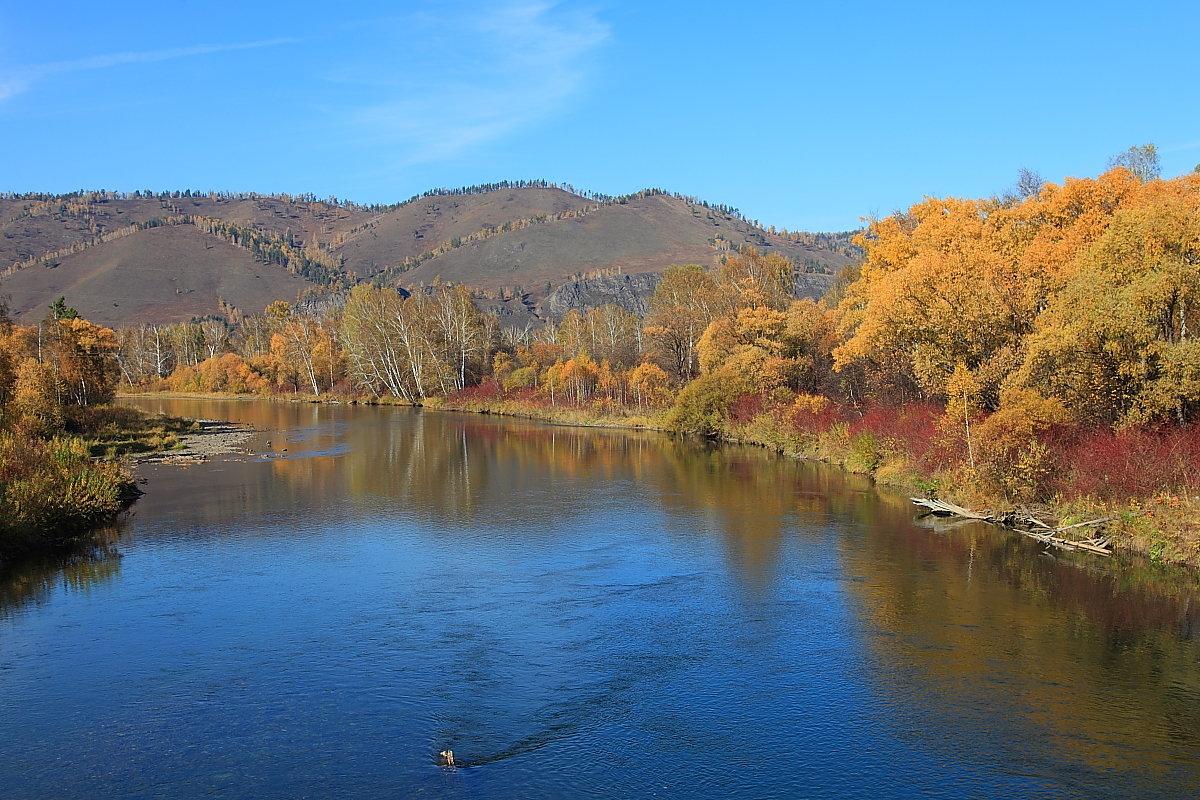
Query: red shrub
x,y
813,423
912,428
746,408
482,392
1135,462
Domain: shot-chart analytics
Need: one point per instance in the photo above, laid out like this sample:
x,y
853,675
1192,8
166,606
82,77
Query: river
x,y
576,613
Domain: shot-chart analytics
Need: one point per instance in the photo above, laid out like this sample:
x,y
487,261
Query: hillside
x,y
34,226
157,275
418,226
142,257
645,233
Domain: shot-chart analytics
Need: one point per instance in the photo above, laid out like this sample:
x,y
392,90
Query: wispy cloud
x,y
10,86
473,76
1179,148
22,78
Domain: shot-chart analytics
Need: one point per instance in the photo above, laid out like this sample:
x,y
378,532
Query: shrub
x,y
909,430
523,378
703,406
1135,462
746,407
225,373
1012,455
50,490
865,453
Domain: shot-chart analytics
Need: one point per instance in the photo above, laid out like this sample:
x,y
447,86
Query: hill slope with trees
x,y
145,257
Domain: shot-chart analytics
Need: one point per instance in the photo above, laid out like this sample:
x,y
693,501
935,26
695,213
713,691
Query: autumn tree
x,y
759,279
9,355
214,333
1012,455
37,397
398,344
82,357
374,332
685,302
649,384
608,333
808,339
616,334
572,332
144,353
964,281
460,333
300,345
1118,342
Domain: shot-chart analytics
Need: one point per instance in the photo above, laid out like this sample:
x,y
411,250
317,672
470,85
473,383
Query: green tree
x,y
60,310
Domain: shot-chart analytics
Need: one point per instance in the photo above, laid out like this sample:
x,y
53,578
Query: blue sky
x,y
806,116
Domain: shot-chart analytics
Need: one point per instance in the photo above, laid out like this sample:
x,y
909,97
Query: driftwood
x,y
944,509
1027,525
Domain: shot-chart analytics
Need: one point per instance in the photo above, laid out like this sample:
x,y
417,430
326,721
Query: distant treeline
x,y
312,262
100,196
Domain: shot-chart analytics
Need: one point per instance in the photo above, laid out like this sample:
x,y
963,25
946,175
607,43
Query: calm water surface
x,y
576,613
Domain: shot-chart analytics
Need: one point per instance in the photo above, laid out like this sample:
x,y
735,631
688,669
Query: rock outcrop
x,y
630,292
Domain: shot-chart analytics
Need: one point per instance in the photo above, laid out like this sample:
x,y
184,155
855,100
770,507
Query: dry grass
x,y
52,491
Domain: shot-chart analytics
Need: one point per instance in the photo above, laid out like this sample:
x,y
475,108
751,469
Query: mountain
x,y
124,259
157,275
421,225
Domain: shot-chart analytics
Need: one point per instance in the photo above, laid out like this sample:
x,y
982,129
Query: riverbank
x,y
399,542
1160,525
56,488
211,438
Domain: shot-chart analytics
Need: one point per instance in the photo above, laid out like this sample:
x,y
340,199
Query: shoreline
x,y
1126,541
215,438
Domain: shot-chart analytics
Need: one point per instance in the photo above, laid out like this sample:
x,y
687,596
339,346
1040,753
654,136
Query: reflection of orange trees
x,y
320,477
961,604
754,499
419,468
455,467
456,464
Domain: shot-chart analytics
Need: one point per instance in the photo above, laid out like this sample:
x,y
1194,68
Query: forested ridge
x,y
122,253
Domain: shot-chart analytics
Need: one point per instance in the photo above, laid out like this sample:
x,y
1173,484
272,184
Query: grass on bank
x,y
53,489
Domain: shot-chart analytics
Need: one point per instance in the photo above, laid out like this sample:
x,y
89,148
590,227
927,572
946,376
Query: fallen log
x,y
1085,524
1023,524
944,509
